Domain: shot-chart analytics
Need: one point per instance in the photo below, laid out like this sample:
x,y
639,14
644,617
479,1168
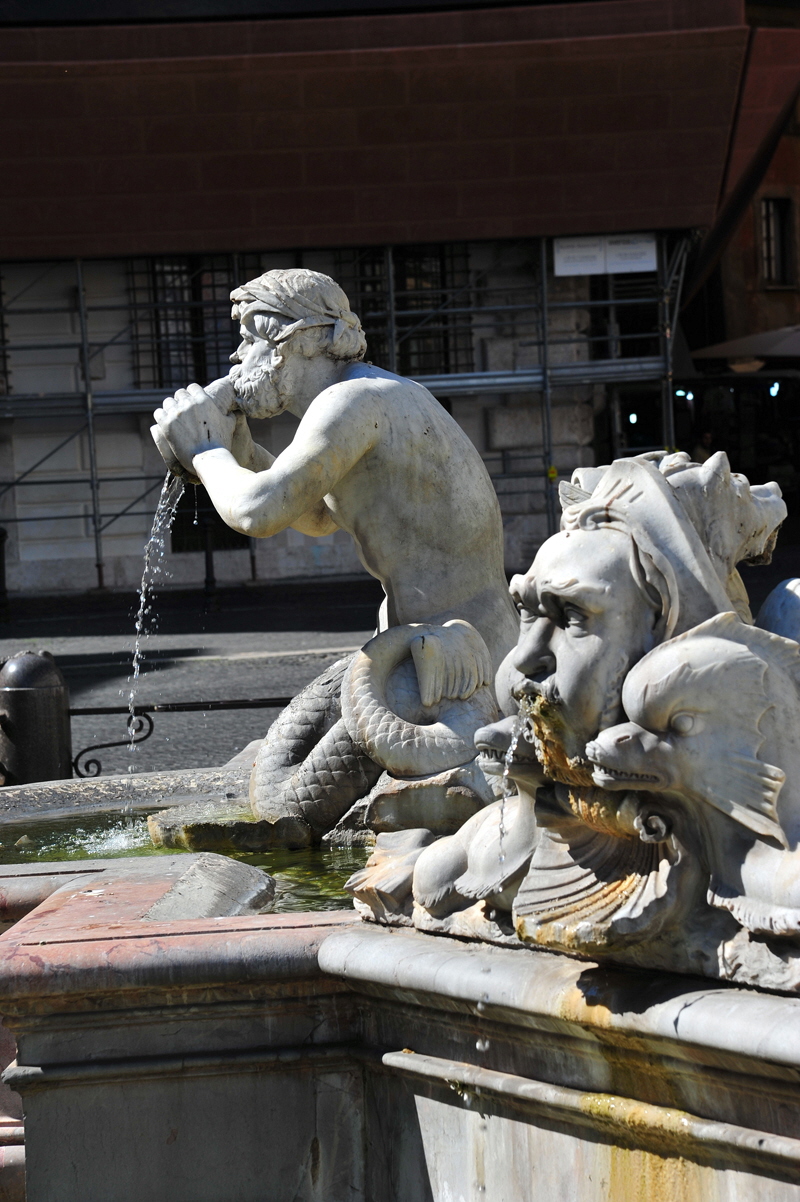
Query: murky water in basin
x,y
305,880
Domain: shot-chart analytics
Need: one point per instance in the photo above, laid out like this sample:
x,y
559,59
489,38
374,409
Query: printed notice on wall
x,y
609,254
579,256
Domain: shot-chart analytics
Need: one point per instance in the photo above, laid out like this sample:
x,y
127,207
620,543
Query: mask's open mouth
x,y
546,689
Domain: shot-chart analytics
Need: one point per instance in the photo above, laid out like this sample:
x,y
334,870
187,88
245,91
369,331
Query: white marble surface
x,y
650,815
374,455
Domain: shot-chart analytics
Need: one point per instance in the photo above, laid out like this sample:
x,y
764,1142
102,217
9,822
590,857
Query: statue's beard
x,y
553,713
258,390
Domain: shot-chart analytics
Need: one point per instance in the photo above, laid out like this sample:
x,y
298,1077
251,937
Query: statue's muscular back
x,y
417,499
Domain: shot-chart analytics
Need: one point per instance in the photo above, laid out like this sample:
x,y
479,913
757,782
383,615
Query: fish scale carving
x,y
443,740
308,765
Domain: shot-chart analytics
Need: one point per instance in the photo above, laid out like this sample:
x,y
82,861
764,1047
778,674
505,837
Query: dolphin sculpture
x,y
715,728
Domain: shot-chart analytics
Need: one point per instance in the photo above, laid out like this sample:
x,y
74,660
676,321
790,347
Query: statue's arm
x,y
331,438
317,520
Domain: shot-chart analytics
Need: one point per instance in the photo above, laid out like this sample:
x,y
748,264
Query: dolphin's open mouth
x,y
492,760
603,775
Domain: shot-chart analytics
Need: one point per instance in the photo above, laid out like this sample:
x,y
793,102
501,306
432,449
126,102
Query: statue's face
x,y
261,363
584,623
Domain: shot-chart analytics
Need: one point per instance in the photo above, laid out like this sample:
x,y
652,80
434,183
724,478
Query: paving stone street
x,y
260,642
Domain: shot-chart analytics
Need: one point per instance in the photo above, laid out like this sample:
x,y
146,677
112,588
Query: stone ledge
x,y
545,990
59,961
140,791
662,1129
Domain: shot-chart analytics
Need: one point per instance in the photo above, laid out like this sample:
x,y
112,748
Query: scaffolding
x,y
456,317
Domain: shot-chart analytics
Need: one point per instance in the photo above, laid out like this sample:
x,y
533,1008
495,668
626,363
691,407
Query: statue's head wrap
x,y
303,300
735,520
633,496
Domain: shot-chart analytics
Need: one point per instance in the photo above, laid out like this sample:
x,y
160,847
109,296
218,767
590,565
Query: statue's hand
x,y
454,662
192,422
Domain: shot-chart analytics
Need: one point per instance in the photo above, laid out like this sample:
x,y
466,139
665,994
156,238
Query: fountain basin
x,y
312,879
312,1056
80,819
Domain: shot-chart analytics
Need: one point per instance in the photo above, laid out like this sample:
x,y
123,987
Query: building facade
x,y
509,195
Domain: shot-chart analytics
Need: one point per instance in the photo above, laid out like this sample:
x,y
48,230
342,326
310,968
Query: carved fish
x,y
715,722
696,705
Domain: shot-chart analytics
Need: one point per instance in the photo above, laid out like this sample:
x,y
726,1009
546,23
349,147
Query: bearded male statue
x,y
375,455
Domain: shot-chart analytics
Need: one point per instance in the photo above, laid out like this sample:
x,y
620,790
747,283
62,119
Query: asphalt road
x,y
260,642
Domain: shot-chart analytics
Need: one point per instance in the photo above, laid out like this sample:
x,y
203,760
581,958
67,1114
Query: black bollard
x,y
35,738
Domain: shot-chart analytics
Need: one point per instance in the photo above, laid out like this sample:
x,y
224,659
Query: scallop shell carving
x,y
588,891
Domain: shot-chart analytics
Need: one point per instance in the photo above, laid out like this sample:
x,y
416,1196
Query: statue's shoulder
x,y
370,378
363,387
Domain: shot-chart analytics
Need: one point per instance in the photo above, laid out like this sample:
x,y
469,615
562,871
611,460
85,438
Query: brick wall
x,y
341,131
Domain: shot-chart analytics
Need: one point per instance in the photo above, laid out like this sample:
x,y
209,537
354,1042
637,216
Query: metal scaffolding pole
x,y
671,286
391,311
87,380
547,416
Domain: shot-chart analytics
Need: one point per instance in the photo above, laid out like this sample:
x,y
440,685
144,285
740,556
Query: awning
x,y
772,344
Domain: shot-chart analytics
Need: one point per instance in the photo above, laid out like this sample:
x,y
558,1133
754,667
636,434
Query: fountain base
x,y
310,1056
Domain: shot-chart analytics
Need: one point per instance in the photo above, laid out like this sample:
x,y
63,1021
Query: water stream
x,y
154,558
508,788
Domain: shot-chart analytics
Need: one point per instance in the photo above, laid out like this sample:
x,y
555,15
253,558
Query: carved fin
x,y
678,678
570,494
782,652
428,654
452,661
749,795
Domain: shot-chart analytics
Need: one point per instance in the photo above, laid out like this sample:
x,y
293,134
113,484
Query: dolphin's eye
x,y
682,724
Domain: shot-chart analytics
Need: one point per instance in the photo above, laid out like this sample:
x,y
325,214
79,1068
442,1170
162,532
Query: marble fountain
x,y
571,966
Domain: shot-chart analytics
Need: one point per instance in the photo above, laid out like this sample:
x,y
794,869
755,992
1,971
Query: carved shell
x,y
441,739
588,892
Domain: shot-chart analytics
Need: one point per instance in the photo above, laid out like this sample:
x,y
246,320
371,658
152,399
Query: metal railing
x,y
140,723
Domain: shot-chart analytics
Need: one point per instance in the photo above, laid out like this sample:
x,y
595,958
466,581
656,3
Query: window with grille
x,y
429,307
627,325
181,317
777,249
5,383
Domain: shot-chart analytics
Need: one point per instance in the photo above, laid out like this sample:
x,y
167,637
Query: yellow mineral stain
x,y
639,1176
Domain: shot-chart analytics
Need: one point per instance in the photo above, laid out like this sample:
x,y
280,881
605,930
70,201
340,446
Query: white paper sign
x,y
605,254
630,252
580,256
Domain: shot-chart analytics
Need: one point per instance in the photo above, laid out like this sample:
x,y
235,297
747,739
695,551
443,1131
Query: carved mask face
x,y
585,620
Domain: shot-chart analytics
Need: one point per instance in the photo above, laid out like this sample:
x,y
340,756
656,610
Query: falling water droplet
x,y
195,522
482,1045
